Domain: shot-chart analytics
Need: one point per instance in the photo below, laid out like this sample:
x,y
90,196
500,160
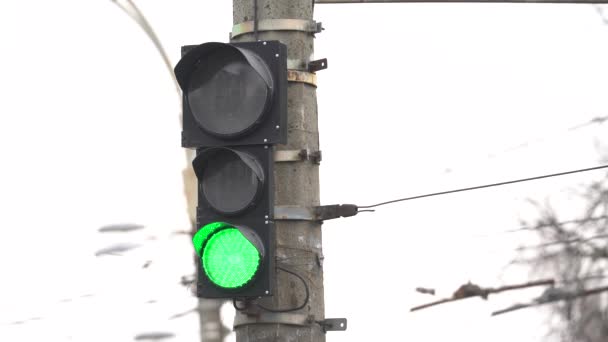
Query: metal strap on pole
x,y
277,25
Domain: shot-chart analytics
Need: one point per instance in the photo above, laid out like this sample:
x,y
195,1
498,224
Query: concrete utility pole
x,y
297,182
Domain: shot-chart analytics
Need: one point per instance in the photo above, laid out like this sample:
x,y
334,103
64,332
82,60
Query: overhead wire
x,y
592,121
255,20
528,143
484,186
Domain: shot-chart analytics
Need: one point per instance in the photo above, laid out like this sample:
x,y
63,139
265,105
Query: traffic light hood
x,y
202,236
191,60
199,162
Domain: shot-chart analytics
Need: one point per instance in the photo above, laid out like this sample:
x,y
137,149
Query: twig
x,y
428,305
133,11
569,241
470,290
565,297
425,290
547,282
551,224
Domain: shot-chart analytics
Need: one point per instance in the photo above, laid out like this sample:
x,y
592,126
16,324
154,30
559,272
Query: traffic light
x,y
234,110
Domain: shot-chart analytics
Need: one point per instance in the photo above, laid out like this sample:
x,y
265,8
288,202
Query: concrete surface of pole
x,y
298,243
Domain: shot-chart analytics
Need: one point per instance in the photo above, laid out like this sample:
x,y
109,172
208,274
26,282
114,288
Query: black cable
x,y
255,20
236,307
296,308
485,186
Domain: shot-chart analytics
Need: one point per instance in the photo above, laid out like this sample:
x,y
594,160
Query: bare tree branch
x,y
575,253
425,290
542,225
564,296
131,10
570,241
470,290
120,228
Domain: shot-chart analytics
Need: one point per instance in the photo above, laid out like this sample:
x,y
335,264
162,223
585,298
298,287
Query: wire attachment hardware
x,y
319,64
320,213
333,324
297,155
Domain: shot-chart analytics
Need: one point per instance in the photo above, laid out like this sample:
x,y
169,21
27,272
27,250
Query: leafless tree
x,y
574,252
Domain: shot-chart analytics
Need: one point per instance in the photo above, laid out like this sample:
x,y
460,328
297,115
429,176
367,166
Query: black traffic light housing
x,y
234,110
244,104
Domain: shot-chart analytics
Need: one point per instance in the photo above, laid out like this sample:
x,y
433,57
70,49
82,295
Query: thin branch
x,y
570,241
120,228
550,224
428,305
585,277
141,20
545,282
471,290
566,296
425,290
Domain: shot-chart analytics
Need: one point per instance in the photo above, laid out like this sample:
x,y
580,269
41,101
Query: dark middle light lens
x,y
229,185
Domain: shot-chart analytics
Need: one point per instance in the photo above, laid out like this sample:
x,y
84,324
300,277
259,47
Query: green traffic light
x,y
229,259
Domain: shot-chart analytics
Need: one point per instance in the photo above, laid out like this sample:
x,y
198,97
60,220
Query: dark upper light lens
x,y
228,97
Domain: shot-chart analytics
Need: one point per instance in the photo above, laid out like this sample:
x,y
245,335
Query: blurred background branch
x,y
212,328
575,253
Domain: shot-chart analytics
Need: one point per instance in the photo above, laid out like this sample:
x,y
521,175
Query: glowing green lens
x,y
229,259
201,236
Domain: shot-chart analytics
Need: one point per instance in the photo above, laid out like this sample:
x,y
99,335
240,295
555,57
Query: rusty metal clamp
x,y
283,156
302,77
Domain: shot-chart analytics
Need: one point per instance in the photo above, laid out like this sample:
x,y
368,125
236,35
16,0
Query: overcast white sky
x,y
89,135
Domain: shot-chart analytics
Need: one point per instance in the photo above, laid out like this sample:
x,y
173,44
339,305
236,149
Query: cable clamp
x,y
301,25
319,64
320,213
333,324
306,65
282,156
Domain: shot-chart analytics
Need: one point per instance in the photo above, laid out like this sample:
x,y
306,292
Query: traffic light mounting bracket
x,y
320,213
297,155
